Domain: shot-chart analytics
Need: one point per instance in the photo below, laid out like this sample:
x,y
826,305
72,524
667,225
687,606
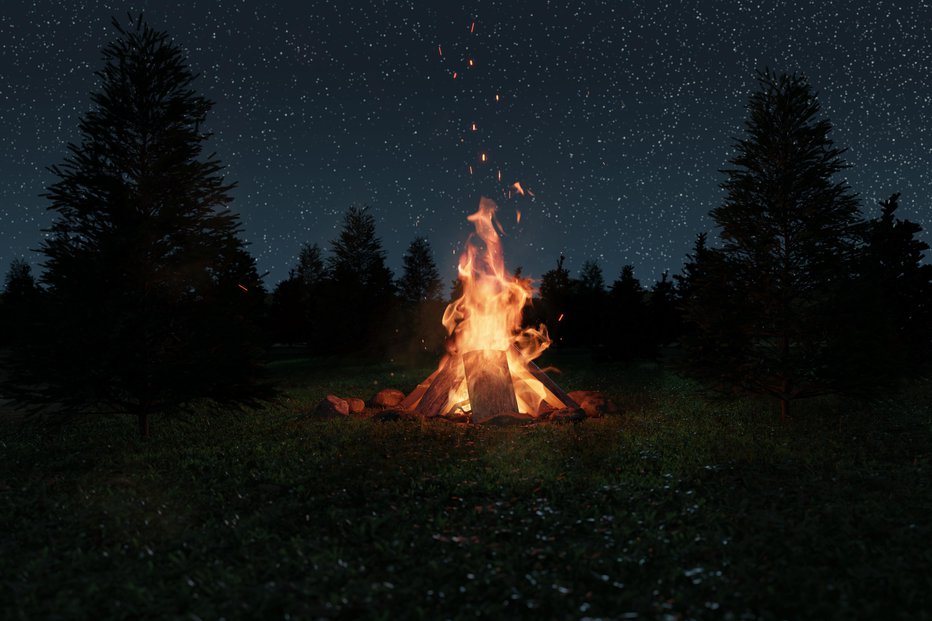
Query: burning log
x,y
488,380
435,398
551,385
411,400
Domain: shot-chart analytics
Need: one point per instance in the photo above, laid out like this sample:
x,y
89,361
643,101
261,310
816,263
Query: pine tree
x,y
20,303
591,278
692,269
897,274
663,313
153,297
310,269
590,307
628,317
556,297
769,306
420,280
420,329
295,313
358,298
358,260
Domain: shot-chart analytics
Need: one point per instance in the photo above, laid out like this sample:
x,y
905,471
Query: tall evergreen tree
x,y
19,283
628,333
19,303
556,297
590,307
311,269
663,313
591,278
357,262
420,329
420,280
153,297
358,299
898,275
295,315
768,309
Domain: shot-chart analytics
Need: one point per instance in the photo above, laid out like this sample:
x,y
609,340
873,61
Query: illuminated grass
x,y
676,507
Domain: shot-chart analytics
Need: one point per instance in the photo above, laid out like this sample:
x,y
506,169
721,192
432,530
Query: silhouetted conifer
x,y
663,313
590,309
358,297
769,308
153,298
20,304
894,265
556,297
310,267
420,280
627,330
421,331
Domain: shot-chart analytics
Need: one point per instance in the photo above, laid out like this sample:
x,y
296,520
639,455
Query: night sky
x,y
616,114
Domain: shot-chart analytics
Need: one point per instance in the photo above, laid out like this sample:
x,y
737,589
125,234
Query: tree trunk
x,y
143,418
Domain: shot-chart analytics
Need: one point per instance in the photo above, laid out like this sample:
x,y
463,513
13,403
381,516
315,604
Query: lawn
x,y
677,508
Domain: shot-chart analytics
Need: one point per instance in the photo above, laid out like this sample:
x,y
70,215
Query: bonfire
x,y
488,374
489,370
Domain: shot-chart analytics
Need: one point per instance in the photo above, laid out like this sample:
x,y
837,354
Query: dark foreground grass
x,y
676,509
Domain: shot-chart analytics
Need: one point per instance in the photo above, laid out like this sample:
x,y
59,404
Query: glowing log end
x,y
489,384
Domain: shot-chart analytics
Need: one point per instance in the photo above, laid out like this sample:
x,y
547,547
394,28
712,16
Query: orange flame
x,y
517,186
488,316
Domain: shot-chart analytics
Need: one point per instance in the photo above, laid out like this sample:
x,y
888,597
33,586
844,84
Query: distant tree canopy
x,y
769,308
153,298
19,303
344,303
894,266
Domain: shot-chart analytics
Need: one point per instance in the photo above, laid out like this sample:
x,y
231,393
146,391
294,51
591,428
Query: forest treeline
x,y
149,300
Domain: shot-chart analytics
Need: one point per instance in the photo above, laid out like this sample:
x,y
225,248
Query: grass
x,y
678,508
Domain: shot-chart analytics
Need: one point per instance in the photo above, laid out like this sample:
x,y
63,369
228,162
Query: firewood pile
x,y
391,404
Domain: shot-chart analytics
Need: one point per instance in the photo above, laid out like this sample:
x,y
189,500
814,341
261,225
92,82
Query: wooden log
x,y
435,398
409,402
488,381
551,385
548,383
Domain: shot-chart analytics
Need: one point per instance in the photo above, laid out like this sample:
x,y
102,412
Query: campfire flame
x,y
488,316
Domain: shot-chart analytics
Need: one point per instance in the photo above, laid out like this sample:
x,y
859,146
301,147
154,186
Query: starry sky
x,y
617,115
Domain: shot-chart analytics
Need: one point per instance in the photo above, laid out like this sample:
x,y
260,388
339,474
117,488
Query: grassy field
x,y
678,508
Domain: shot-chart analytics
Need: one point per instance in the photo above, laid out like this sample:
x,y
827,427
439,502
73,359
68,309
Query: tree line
x,y
150,301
